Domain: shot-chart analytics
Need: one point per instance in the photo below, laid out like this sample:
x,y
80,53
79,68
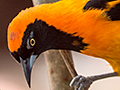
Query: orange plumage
x,y
102,34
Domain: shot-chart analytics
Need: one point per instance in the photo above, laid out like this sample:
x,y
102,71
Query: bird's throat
x,y
52,38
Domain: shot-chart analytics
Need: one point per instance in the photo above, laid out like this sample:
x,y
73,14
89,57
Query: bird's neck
x,y
52,38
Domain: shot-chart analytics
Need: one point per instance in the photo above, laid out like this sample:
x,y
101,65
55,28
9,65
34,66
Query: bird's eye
x,y
32,42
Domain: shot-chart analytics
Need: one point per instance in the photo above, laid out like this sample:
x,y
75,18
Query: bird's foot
x,y
81,82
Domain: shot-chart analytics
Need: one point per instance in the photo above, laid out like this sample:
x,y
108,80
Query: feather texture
x,y
102,34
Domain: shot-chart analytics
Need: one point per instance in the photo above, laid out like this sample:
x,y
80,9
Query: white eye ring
x,y
32,42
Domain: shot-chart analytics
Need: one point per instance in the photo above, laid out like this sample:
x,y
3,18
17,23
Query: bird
x,y
90,27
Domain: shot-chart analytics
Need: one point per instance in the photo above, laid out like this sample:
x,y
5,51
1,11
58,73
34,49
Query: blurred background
x,y
11,74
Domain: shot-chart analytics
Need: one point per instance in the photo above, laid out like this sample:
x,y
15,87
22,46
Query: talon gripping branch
x,y
89,27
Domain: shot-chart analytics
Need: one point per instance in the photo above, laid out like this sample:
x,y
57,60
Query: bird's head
x,y
24,43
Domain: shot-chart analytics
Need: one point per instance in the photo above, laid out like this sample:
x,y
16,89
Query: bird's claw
x,y
81,82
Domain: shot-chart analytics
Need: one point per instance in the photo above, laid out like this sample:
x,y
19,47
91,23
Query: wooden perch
x,y
59,76
65,54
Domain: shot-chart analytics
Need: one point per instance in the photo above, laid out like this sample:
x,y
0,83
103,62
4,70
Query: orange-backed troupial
x,y
90,27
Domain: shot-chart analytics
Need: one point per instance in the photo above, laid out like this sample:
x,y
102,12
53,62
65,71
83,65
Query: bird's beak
x,y
27,67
